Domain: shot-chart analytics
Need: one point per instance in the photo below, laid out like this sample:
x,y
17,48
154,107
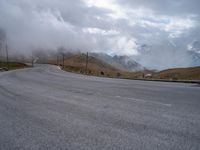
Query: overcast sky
x,y
157,33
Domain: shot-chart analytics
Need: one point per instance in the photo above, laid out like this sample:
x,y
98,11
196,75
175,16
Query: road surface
x,y
47,108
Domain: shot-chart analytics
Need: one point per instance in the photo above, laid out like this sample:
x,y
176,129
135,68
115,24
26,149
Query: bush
x,y
102,73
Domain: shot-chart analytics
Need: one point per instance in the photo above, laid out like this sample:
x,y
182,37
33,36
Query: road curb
x,y
177,81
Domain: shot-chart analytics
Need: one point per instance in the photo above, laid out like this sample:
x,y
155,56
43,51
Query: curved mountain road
x,y
46,108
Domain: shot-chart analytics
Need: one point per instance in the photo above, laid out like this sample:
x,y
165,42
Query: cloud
x,y
138,28
168,7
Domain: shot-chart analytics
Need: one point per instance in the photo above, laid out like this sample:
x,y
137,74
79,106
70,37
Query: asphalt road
x,y
46,108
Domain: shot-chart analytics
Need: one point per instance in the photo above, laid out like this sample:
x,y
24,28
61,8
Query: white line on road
x,y
145,101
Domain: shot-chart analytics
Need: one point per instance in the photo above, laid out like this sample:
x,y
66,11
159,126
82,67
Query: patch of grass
x,y
13,65
192,73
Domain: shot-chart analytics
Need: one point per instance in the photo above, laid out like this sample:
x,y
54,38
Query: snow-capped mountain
x,y
194,52
124,63
127,63
194,46
195,57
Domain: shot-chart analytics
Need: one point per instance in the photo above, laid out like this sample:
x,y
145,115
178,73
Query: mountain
x,y
194,46
195,57
77,63
194,52
124,63
97,67
127,64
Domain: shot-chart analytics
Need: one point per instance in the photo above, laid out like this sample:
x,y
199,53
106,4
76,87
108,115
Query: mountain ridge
x,y
124,63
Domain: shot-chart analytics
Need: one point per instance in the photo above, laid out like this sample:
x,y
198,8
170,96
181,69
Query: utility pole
x,y
1,61
63,61
7,59
2,48
32,61
86,65
57,60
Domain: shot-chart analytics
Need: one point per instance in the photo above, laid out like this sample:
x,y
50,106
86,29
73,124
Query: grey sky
x,y
157,33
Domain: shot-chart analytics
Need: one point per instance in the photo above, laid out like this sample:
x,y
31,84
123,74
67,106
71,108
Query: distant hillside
x,y
128,64
192,73
77,63
123,63
97,67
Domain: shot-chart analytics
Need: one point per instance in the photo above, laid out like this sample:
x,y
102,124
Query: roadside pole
x,y
63,61
1,61
32,62
57,60
7,58
86,65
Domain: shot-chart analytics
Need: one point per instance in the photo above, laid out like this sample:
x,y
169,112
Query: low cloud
x,y
158,40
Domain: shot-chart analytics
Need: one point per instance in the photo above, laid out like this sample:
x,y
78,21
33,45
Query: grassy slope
x,y
77,64
179,74
13,65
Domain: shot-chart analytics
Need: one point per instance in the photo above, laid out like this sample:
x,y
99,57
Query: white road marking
x,y
145,101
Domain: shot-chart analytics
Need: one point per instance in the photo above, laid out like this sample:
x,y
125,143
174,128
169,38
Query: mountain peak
x,y
122,62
